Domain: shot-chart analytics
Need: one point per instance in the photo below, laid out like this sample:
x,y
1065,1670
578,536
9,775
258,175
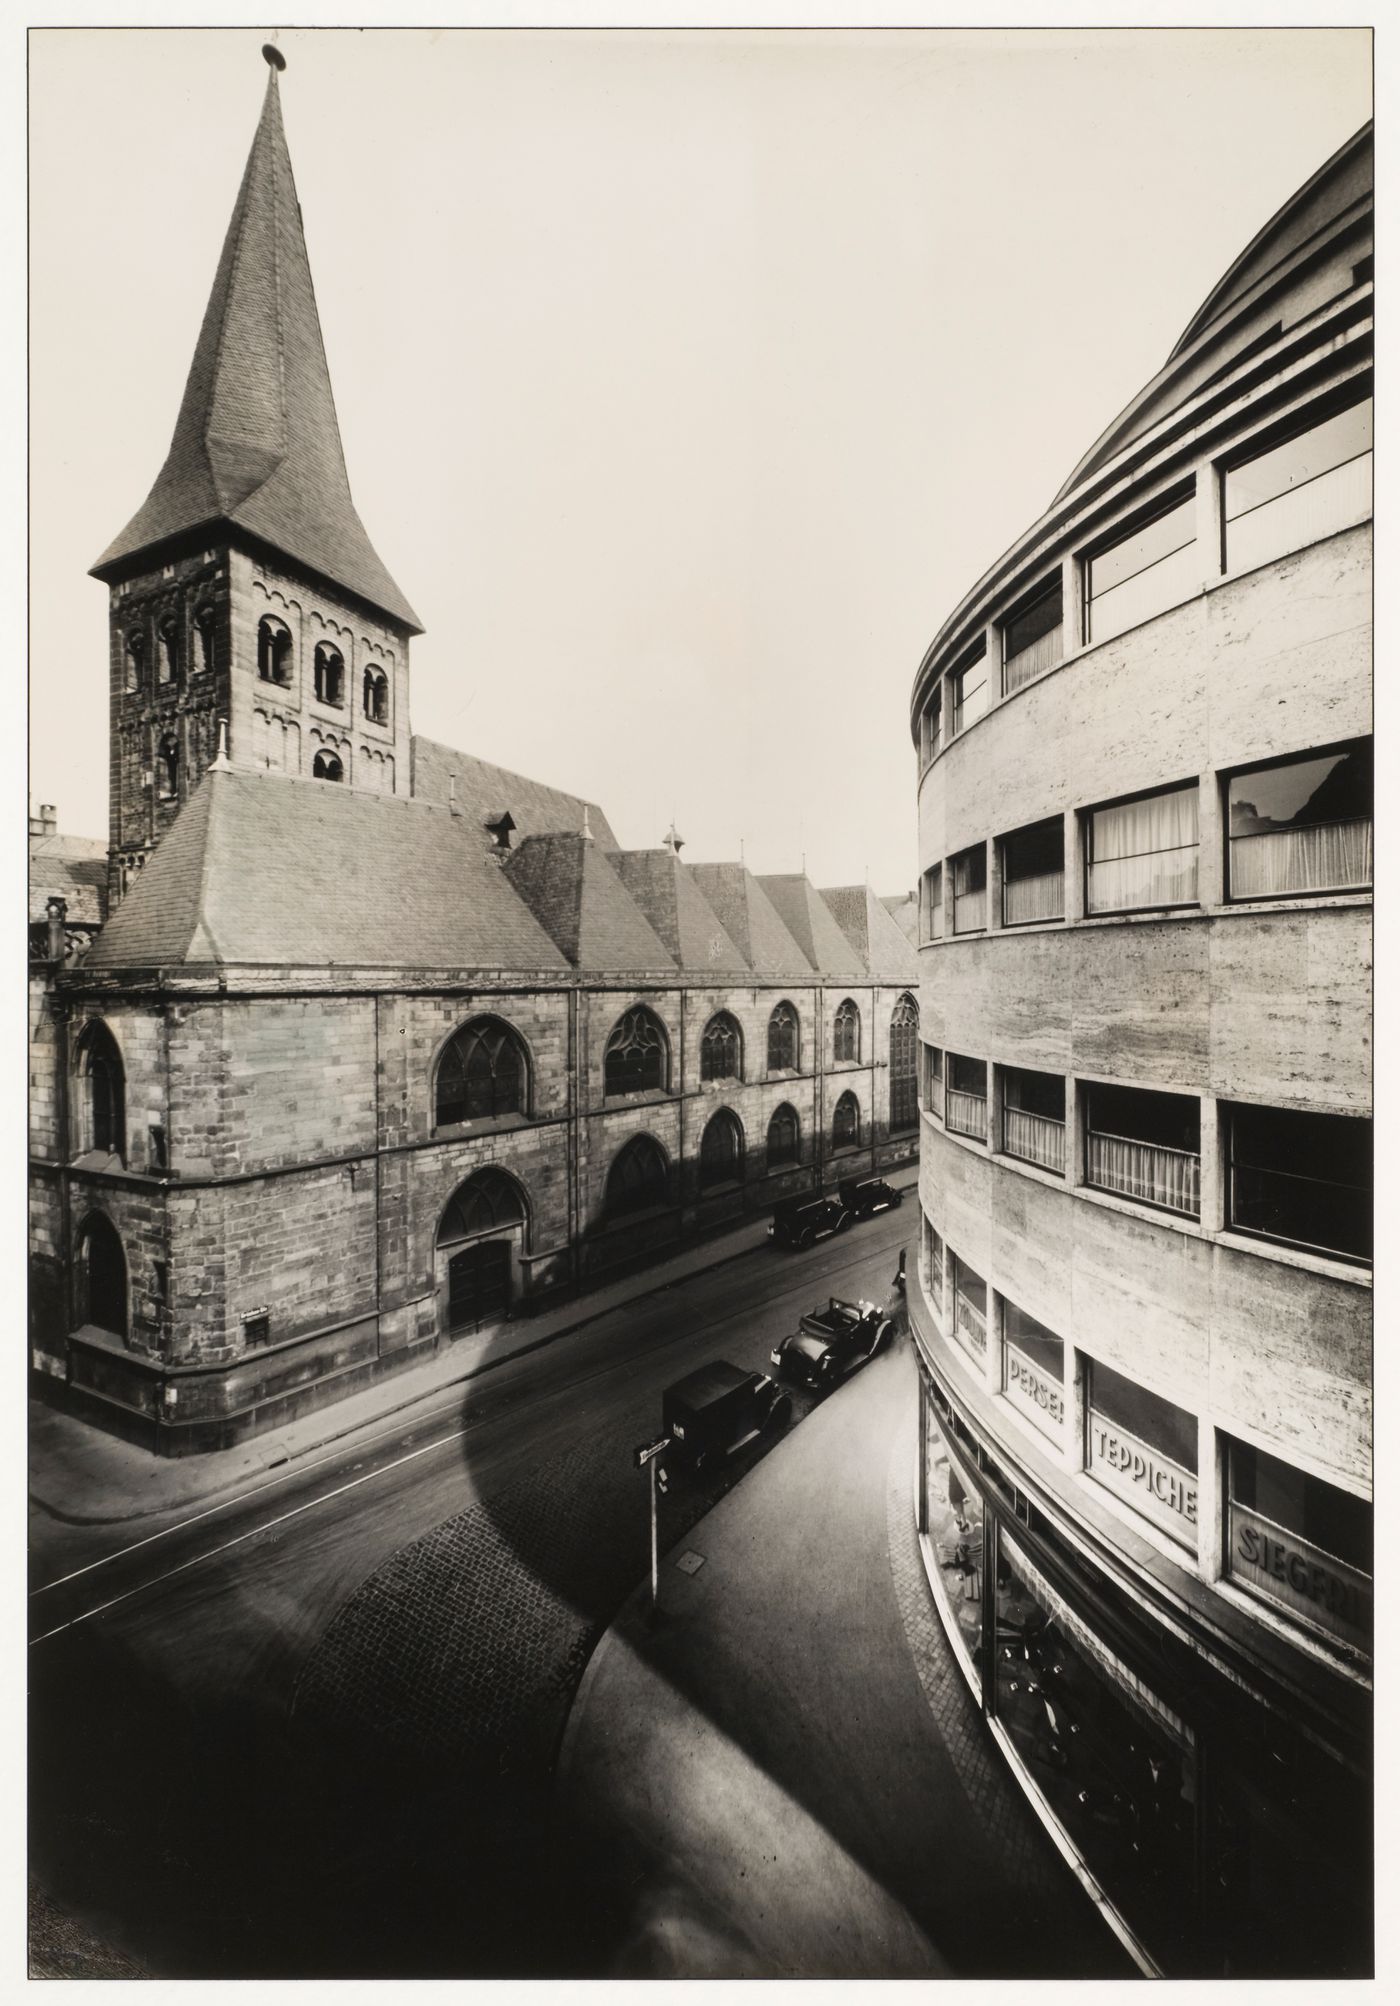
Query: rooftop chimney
x,y
45,823
57,910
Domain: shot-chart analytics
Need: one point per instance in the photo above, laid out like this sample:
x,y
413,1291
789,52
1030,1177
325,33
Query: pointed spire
x,y
673,841
587,832
256,442
220,762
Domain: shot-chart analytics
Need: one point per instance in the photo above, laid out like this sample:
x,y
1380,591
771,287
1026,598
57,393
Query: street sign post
x,y
646,1455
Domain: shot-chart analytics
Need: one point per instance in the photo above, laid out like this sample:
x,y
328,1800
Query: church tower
x,y
246,599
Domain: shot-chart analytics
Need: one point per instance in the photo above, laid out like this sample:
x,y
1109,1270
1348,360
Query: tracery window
x,y
482,1075
845,1123
782,1039
847,1031
721,1150
635,1060
784,1137
639,1178
904,1065
486,1203
326,766
721,1048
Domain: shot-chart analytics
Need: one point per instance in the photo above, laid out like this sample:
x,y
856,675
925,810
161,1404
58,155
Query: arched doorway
x,y
480,1239
102,1275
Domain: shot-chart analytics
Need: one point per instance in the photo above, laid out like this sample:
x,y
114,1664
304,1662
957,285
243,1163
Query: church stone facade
x,y
294,1128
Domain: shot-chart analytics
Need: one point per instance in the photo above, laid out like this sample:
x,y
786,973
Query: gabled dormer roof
x,y
256,445
883,947
749,918
570,886
811,925
682,916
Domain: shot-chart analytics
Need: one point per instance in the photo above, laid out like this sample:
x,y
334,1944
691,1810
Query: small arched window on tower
x,y
847,1032
325,766
102,1104
204,638
376,698
274,650
168,767
168,650
330,674
135,660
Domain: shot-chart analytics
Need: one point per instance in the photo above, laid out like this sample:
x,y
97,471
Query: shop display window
x,y
1114,1764
956,1532
1143,1448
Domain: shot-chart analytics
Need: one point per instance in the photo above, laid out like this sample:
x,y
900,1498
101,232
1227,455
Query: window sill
x,y
721,1085
636,1097
454,1131
1358,1272
1326,1650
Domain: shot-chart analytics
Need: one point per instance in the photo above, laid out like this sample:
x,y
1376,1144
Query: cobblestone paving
x,y
1000,1809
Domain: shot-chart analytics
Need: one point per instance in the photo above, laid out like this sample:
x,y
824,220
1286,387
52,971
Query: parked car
x,y
831,1342
864,1196
797,1222
717,1410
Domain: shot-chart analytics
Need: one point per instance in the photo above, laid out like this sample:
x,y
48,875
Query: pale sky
x,y
687,381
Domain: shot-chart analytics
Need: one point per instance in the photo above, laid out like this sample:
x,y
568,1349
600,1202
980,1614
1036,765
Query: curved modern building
x,y
1143,1315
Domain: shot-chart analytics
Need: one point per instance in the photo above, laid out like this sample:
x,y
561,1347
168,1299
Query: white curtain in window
x,y
1145,852
967,1113
1330,856
1033,898
1034,1137
1041,654
1144,1170
1300,515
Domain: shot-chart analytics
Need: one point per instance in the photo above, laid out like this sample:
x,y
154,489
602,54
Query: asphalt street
x,y
310,1730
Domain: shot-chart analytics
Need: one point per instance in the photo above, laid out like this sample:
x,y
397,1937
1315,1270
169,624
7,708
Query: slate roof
x,y
884,950
676,907
371,881
903,909
748,917
811,925
256,442
484,790
72,868
572,889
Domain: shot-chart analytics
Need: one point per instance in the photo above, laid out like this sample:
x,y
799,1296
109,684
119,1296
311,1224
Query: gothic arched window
x,y
845,1123
784,1137
328,667
274,650
326,766
639,1177
486,1203
102,1276
721,1048
135,660
376,696
635,1060
847,1031
904,1065
482,1074
782,1039
102,1117
168,767
721,1150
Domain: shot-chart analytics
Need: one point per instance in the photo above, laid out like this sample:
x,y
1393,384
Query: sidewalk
x,y
775,1778
80,1475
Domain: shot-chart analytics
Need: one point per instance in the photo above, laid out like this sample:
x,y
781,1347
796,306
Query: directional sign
x,y
642,1456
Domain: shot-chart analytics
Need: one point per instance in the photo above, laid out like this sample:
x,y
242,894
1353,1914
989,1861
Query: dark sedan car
x,y
831,1342
864,1196
797,1222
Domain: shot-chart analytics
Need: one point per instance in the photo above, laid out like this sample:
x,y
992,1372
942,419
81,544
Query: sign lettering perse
x,y
1161,1487
1027,1385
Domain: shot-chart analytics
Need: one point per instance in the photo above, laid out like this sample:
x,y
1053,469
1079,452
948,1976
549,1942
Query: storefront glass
x,y
1302,1544
956,1532
1115,1765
